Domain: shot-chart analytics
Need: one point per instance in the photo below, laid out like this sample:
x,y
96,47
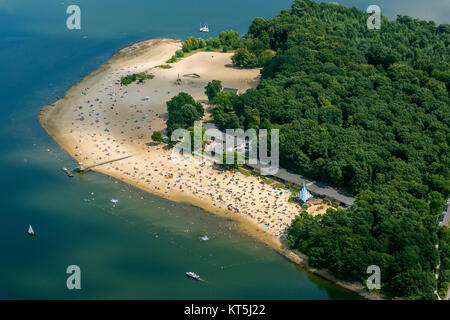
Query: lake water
x,y
141,248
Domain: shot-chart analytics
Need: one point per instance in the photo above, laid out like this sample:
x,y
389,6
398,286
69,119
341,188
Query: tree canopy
x,y
212,89
363,109
183,112
157,136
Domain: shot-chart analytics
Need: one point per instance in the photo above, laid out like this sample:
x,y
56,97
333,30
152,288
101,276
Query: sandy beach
x,y
99,119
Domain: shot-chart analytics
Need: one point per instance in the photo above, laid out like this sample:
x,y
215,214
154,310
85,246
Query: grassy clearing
x,y
139,77
244,172
163,66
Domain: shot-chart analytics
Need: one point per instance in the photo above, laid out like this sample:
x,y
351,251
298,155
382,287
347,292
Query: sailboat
x,y
204,28
31,231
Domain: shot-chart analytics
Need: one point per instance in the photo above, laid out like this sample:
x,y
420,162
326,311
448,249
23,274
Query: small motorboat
x,y
65,170
70,175
193,275
205,238
31,231
204,28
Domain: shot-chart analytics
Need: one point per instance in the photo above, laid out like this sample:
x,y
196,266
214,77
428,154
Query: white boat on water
x,y
204,28
31,231
193,275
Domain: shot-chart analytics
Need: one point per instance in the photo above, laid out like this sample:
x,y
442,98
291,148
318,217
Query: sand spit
x,y
98,120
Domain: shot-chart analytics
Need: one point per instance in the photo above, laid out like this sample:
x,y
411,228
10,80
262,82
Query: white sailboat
x,y
31,231
204,28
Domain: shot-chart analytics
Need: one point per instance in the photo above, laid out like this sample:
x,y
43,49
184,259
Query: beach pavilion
x,y
304,194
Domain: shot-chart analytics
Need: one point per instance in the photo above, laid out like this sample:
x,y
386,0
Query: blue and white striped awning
x,y
304,194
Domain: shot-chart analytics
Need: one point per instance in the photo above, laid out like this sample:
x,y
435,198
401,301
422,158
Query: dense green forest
x,y
363,109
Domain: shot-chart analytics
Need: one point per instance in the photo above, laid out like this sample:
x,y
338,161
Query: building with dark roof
x,y
231,90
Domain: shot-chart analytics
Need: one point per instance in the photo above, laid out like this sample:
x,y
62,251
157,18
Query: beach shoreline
x,y
93,124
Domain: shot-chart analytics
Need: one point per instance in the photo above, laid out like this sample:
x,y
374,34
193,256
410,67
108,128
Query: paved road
x,y
446,219
445,223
